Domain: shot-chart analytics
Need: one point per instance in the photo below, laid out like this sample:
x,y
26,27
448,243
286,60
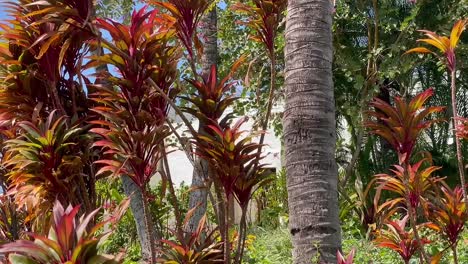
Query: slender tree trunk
x,y
199,194
309,132
461,168
143,221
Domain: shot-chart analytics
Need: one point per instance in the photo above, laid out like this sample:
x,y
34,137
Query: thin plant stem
x,y
227,246
148,223
454,250
461,168
173,199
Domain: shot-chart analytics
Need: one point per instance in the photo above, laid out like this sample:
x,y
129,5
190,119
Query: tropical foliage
x,y
94,95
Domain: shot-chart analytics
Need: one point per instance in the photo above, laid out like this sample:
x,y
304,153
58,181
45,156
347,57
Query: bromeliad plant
x,y
70,240
447,47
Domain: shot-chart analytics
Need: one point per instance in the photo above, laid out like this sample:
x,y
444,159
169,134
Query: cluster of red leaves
x,y
186,15
234,158
408,182
414,184
397,238
263,17
401,125
44,165
200,246
211,98
132,126
68,241
449,213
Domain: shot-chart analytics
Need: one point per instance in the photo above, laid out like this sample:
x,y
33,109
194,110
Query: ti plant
x,y
264,18
45,164
12,225
70,240
401,126
449,215
186,15
397,238
132,113
345,260
196,247
447,46
235,161
410,183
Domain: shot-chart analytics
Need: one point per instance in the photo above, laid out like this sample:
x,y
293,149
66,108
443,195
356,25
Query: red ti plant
x,y
211,99
447,47
401,125
345,260
410,182
398,239
132,124
234,159
45,45
263,17
45,164
196,247
449,215
186,14
70,240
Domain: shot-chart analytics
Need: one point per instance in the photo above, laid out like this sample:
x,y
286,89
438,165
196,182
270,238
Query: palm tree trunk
x,y
199,194
309,132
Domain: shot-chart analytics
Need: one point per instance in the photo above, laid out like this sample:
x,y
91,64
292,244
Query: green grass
x,y
274,247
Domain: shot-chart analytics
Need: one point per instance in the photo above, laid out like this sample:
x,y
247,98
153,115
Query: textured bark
x,y
309,132
138,210
199,194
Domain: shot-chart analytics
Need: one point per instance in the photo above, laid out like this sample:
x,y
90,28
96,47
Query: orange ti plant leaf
x,y
444,45
397,238
401,124
70,240
264,17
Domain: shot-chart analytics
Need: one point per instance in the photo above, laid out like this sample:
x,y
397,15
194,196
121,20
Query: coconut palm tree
x,y
309,132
